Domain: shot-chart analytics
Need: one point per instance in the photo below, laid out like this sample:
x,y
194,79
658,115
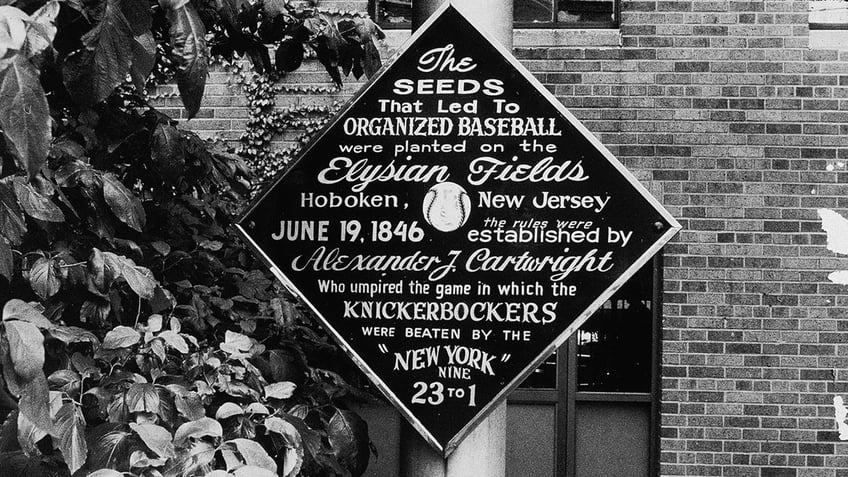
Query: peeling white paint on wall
x,y
832,167
841,412
836,227
840,277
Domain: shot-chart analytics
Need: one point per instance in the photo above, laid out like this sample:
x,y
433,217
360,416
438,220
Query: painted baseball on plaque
x,y
446,206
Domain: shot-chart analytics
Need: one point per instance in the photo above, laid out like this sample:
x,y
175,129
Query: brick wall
x,y
740,129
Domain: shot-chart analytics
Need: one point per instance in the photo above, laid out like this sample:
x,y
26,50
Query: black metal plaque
x,y
453,225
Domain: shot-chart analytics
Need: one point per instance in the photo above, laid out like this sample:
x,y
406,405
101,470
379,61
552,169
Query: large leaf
x,y
73,334
274,8
157,438
167,152
126,206
99,272
20,310
167,411
37,205
366,29
188,403
121,337
12,30
69,433
190,53
65,380
281,390
140,279
144,57
371,58
236,344
105,267
94,311
116,409
328,45
13,382
12,220
329,58
24,115
43,278
175,341
40,29
111,445
74,170
351,59
26,346
348,434
196,459
34,402
28,433
289,55
142,397
113,265
254,454
138,12
92,73
228,409
203,427
293,442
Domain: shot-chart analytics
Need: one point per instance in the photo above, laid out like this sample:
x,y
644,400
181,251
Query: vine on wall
x,y
277,36
267,122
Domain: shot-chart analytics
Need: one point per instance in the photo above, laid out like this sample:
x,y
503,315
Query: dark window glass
x,y
543,377
580,12
532,11
393,12
614,345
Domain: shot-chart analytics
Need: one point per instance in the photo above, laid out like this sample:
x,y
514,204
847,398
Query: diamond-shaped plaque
x,y
453,225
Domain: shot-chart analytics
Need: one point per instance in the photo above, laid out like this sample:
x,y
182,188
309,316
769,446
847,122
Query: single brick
x,y
709,30
809,448
692,67
777,472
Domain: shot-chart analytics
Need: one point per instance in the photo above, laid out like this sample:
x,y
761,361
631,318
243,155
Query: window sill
x,y
535,37
539,37
828,40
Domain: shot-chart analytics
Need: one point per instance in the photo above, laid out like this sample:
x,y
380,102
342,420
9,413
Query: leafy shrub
x,y
139,404
138,335
292,31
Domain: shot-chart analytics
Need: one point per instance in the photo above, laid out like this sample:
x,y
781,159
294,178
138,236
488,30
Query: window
x,y
597,399
526,13
828,14
828,20
565,13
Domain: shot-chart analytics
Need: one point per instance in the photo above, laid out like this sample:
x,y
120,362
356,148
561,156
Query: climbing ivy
x,y
267,121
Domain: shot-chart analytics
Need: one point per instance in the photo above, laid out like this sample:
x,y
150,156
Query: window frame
x,y
819,25
553,24
566,396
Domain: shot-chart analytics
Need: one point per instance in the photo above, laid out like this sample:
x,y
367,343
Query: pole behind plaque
x,y
483,452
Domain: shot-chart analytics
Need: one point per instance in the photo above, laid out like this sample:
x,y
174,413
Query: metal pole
x,y
483,452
